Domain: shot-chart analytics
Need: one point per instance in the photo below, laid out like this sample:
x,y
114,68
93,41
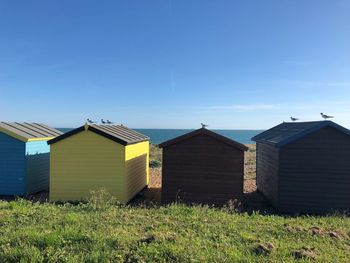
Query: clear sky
x,y
173,64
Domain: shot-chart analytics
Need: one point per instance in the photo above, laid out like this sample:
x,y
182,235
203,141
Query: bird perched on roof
x,y
294,119
324,116
109,122
103,122
90,121
204,125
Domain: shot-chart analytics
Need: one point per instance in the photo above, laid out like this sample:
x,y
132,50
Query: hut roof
x,y
208,133
28,131
288,132
117,133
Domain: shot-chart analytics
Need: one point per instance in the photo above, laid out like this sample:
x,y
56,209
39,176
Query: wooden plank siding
x,y
12,166
267,171
137,171
202,169
315,173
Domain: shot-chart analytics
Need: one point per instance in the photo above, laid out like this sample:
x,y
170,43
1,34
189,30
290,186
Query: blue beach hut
x,y
24,157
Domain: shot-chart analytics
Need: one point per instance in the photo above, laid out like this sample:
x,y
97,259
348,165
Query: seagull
x,y
103,122
89,121
324,116
294,119
204,125
109,122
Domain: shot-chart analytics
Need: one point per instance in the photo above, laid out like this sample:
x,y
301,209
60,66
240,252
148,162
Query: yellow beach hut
x,y
93,157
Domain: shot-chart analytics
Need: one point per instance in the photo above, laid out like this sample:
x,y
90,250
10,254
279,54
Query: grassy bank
x,y
102,233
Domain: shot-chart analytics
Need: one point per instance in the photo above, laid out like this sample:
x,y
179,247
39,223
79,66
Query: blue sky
x,y
174,64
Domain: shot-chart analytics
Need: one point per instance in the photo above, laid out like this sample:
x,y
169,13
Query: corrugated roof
x,y
206,132
28,131
117,133
288,132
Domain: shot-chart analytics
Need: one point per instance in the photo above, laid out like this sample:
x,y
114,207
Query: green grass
x,y
94,232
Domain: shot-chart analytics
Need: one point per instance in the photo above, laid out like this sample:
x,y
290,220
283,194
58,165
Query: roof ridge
x,y
125,137
210,133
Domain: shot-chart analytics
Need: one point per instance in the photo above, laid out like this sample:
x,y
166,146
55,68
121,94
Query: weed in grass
x,y
101,199
232,206
155,164
155,155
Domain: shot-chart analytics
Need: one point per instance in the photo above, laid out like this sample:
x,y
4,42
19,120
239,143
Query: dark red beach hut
x,y
305,167
202,167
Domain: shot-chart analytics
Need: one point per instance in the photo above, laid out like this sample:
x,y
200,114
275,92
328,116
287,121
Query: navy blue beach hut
x,y
304,167
24,157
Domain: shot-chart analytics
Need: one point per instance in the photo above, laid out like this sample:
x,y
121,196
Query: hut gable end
x,y
199,168
92,158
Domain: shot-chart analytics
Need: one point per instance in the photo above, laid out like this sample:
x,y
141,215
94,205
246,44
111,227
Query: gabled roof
x,y
117,133
288,132
28,131
204,131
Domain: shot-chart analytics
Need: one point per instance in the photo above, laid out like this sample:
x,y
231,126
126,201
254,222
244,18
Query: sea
x,y
158,136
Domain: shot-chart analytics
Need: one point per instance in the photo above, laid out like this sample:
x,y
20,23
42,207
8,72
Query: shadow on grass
x,y
41,197
251,202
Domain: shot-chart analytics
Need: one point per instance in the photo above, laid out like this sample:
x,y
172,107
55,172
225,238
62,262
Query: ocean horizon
x,y
158,136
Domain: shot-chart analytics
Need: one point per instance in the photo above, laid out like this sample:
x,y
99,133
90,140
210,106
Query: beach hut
x,y
202,167
24,157
95,157
305,167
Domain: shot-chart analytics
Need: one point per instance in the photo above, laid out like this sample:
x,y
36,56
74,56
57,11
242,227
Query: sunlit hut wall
x,y
24,157
95,157
305,167
202,167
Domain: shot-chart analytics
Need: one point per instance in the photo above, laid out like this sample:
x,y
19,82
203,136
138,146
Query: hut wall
x,y
136,157
84,162
202,170
315,173
37,166
267,171
12,166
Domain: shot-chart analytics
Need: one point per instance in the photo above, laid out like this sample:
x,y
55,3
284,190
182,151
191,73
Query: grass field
x,y
102,231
